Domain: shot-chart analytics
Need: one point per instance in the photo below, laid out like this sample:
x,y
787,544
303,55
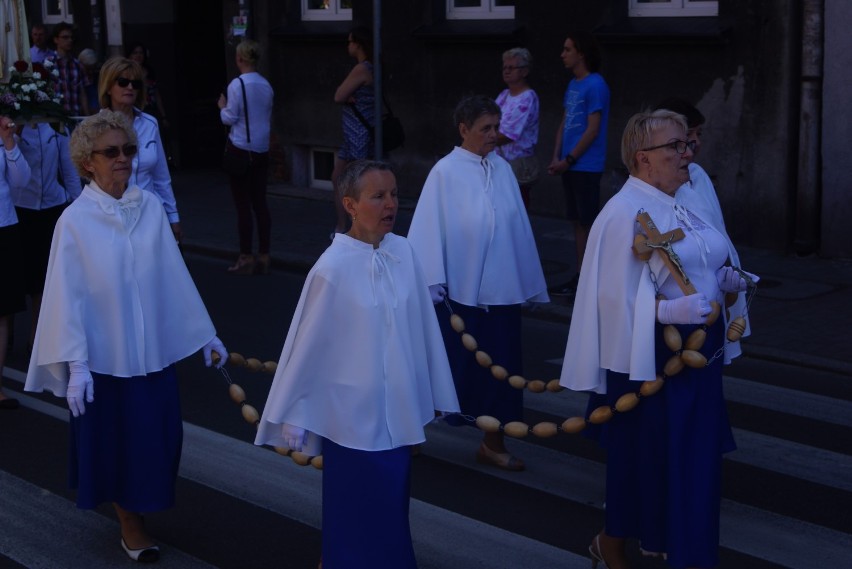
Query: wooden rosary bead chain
x,y
251,416
499,372
251,364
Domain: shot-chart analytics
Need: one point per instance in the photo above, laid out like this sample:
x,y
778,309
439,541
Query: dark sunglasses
x,y
112,152
124,82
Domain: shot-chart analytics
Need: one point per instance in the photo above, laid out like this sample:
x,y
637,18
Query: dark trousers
x,y
249,194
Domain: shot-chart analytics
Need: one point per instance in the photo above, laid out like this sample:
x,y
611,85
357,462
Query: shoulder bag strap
x,y
245,106
361,117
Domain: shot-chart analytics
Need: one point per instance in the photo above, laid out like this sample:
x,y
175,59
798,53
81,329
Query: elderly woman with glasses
x,y
119,310
519,121
121,88
664,456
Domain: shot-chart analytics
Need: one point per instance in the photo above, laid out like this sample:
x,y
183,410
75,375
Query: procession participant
x,y
664,457
472,234
370,396
119,310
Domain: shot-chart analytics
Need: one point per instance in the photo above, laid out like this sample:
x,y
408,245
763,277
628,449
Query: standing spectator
x,y
472,234
90,62
247,109
519,121
53,184
153,95
356,94
14,172
72,75
580,150
40,50
121,88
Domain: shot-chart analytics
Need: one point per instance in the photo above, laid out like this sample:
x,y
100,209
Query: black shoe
x,y
566,289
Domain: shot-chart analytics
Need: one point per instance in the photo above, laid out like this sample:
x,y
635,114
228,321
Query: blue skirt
x,y
126,447
498,333
365,496
664,458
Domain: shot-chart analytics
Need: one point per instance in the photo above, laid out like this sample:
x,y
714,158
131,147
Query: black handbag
x,y
393,134
236,161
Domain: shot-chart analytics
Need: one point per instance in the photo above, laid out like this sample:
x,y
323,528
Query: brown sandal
x,y
502,460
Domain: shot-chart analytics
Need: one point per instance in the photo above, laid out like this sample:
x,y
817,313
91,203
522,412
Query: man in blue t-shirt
x,y
580,149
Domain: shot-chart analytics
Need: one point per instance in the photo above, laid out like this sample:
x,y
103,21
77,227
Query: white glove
x,y
692,309
294,436
80,383
730,280
215,345
438,293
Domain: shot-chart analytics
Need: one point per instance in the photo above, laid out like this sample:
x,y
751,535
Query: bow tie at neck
x,y
127,205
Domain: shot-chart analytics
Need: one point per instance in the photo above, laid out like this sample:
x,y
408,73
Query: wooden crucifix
x,y
644,246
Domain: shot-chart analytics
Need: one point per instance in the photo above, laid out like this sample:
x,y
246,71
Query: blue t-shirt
x,y
582,98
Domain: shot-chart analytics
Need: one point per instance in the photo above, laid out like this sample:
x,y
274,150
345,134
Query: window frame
x,y
334,13
64,16
486,11
313,181
673,9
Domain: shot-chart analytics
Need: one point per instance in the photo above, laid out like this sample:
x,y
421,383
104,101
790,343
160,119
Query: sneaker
x,y
566,289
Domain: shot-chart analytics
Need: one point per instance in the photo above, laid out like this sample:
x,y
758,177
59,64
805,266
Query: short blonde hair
x,y
641,128
92,128
111,71
249,51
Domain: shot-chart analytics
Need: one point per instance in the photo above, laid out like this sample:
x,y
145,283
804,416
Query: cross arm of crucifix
x,y
653,240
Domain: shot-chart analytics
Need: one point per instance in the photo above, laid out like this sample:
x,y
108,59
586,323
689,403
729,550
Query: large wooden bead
x,y
316,462
300,458
253,364
673,366
215,357
730,298
693,359
457,323
516,429
553,386
573,425
269,367
250,414
283,451
238,395
469,342
736,329
488,424
537,386
545,429
600,415
649,388
638,241
696,339
237,359
499,372
672,338
715,309
483,359
518,381
626,402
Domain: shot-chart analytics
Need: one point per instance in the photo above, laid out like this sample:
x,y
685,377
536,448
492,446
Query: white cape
x,y
118,297
612,324
471,232
364,364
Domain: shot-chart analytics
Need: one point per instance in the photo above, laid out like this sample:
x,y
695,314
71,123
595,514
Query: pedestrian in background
x,y
40,48
357,97
72,76
580,150
53,184
370,396
14,172
153,93
519,120
472,235
120,309
247,109
122,89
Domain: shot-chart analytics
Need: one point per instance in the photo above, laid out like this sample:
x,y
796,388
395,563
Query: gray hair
x,y
92,128
641,128
350,179
472,107
521,53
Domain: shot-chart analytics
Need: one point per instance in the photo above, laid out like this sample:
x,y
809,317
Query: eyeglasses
x,y
124,82
678,146
512,67
112,152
